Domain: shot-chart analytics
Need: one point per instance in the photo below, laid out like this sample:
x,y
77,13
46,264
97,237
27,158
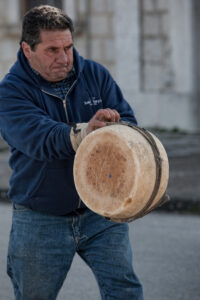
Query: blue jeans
x,y
42,247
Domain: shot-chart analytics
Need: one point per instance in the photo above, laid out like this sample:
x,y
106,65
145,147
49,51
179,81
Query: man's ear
x,y
26,49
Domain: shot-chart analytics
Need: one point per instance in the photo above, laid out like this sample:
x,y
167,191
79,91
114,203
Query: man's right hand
x,y
101,117
98,121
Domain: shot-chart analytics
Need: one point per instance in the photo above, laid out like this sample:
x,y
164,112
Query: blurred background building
x,y
151,48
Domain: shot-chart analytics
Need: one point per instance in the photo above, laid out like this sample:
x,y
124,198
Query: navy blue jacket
x,y
33,121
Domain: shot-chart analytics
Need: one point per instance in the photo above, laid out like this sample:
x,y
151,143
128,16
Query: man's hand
x,y
98,121
101,117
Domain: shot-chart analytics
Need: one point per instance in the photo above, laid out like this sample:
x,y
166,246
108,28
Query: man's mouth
x,y
63,68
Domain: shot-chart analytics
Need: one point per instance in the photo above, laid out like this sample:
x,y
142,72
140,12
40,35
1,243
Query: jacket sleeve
x,y
113,98
29,129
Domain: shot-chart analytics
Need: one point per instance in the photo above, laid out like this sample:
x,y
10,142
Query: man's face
x,y
53,56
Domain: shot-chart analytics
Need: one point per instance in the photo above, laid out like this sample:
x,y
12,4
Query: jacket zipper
x,y
65,109
67,117
64,101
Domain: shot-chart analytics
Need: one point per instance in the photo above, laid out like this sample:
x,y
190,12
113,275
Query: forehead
x,y
55,37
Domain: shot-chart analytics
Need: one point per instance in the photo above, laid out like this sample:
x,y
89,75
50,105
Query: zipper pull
x,y
65,109
64,103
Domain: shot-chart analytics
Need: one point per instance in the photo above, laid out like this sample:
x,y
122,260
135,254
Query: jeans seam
x,y
91,265
76,238
10,273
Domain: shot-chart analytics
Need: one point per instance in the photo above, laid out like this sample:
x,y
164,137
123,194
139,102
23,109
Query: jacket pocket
x,y
57,181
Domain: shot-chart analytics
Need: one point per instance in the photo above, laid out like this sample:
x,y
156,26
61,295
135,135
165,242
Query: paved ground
x,y
166,258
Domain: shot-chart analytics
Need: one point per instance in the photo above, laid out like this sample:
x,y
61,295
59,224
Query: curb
x,y
181,204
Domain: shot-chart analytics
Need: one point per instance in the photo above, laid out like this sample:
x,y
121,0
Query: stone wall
x,y
148,46
155,67
156,60
101,37
93,36
9,34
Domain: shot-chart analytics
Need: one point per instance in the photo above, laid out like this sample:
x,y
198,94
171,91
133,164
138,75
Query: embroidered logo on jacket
x,y
93,101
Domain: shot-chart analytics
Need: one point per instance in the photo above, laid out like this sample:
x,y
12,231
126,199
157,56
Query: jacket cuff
x,y
77,134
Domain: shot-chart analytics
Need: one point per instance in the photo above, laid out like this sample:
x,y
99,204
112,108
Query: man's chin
x,y
57,77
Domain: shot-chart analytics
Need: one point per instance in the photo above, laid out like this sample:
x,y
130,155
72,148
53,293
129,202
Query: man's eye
x,y
52,50
68,48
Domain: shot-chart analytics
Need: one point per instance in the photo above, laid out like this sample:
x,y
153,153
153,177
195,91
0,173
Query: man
x,y
48,88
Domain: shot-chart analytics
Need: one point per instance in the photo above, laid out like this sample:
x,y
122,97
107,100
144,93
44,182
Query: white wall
x,y
154,64
161,87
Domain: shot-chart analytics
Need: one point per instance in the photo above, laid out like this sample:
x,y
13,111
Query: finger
x,y
95,124
102,115
114,116
117,115
110,115
98,124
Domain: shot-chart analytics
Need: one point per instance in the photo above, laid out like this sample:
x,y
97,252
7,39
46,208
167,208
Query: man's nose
x,y
62,58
